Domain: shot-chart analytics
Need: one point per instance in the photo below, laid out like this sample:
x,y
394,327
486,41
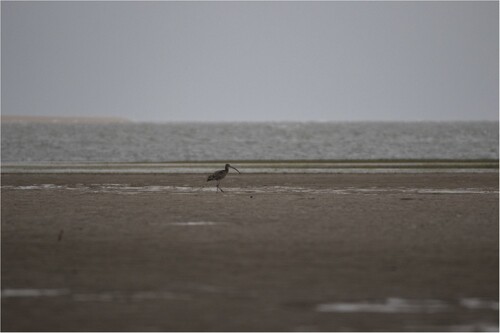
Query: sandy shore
x,y
290,252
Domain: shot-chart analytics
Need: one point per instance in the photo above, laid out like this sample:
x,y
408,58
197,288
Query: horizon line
x,y
119,119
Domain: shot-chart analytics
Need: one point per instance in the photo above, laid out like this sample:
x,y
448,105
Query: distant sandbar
x,y
63,120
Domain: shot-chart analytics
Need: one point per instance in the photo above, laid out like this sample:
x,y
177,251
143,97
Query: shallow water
x,y
395,306
146,142
400,305
190,293
103,296
128,189
194,223
389,305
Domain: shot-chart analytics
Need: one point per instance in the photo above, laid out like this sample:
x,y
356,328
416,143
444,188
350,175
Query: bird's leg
x,y
218,186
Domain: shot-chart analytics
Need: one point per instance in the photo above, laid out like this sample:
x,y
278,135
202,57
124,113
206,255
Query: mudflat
x,y
274,252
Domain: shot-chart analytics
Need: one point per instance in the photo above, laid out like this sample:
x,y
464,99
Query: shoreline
x,y
292,166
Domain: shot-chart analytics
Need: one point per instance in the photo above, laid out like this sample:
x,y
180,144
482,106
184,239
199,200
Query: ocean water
x,y
32,142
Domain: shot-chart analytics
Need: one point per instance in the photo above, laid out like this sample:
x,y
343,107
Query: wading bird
x,y
219,175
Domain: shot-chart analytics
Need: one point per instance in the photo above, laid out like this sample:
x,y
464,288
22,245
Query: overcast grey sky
x,y
251,61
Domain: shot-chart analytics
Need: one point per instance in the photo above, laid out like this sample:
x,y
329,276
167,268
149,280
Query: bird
x,y
219,175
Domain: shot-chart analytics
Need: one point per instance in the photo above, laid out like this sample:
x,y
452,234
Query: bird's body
x,y
219,175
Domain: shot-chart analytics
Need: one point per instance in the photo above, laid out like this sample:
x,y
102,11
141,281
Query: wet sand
x,y
276,252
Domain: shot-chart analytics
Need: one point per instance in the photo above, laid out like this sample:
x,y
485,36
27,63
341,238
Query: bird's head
x,y
229,166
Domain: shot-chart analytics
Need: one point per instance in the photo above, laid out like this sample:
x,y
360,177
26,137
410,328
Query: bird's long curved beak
x,y
235,169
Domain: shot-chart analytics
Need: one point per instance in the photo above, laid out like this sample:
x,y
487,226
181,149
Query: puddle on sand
x,y
29,292
476,327
390,305
194,223
103,296
114,296
478,304
400,305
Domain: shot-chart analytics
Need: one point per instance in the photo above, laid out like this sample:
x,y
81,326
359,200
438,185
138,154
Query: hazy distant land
x,y
63,120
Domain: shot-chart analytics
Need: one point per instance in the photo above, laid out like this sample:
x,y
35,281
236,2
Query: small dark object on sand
x,y
59,238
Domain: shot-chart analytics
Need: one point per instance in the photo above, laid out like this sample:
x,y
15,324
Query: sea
x,y
35,142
